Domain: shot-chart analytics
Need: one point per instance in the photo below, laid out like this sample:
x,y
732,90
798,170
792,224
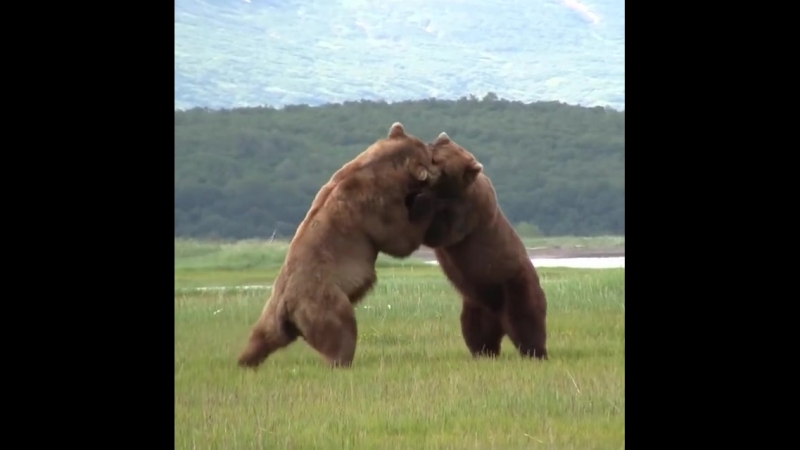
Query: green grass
x,y
236,263
595,242
413,384
256,262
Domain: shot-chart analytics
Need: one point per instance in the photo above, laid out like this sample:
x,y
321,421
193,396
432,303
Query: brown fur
x,y
485,260
330,265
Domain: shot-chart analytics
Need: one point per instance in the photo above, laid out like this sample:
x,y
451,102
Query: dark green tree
x,y
252,172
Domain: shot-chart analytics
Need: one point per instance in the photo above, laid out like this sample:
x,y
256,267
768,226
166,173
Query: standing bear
x,y
368,206
485,260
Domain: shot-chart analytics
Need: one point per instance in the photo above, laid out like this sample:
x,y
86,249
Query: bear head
x,y
411,152
458,171
459,168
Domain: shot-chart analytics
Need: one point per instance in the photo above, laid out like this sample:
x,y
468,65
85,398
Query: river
x,y
613,262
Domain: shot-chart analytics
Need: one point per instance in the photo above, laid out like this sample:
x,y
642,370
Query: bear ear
x,y
397,130
443,138
471,172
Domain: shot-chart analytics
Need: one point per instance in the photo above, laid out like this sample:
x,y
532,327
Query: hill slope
x,y
268,52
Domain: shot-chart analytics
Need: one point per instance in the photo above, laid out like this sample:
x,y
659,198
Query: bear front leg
x,y
482,330
329,327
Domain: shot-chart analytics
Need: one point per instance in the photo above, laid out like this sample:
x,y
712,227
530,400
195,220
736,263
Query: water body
x,y
612,262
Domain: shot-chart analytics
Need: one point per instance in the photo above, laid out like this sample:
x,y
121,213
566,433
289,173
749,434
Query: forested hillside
x,y
253,172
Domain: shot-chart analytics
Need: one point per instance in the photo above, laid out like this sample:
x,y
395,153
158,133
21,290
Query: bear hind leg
x,y
271,333
329,327
482,330
524,319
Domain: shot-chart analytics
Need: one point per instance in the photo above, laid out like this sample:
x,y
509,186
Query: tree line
x,y
253,172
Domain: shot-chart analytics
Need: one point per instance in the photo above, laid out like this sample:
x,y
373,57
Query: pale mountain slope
x,y
235,53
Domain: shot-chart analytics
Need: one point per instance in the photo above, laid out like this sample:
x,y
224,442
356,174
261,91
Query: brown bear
x,y
485,260
367,207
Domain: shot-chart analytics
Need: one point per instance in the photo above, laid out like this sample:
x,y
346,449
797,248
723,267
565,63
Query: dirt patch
x,y
426,253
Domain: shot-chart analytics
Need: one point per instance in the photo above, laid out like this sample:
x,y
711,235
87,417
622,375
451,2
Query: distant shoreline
x,y
426,253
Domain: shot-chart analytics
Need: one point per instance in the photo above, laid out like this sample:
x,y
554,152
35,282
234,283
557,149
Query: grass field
x,y
413,384
573,241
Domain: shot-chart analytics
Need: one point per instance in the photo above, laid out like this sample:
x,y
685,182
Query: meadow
x,y
413,384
